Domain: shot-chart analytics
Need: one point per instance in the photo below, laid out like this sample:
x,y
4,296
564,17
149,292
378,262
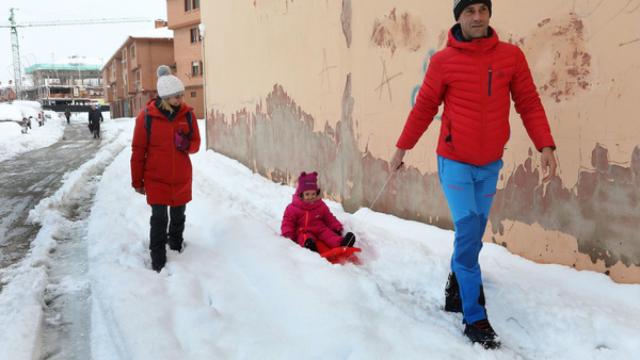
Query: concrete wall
x,y
327,85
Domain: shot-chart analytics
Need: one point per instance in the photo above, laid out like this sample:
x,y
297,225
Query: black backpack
x,y
147,124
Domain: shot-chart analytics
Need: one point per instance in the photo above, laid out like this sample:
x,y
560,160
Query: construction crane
x,y
15,46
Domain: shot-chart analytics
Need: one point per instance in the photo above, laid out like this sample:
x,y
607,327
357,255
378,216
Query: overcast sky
x,y
43,44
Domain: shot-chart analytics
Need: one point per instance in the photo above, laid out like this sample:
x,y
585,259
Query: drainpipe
x,y
201,29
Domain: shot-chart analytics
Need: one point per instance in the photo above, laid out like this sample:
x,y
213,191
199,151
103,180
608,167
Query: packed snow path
x,y
241,291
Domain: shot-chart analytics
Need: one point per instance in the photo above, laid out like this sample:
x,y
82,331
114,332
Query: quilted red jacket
x,y
302,217
157,165
476,79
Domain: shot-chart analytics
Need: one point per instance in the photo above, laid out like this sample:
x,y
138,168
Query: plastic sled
x,y
342,255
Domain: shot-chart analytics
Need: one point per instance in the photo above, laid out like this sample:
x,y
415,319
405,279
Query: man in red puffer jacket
x,y
475,76
166,132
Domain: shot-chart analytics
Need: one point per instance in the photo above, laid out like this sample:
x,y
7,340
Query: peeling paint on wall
x,y
345,18
265,139
601,212
406,32
581,55
560,41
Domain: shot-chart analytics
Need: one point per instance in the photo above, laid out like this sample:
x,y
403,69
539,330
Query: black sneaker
x,y
311,245
348,240
452,299
482,333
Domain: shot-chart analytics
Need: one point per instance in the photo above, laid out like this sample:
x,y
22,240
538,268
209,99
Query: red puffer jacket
x,y
475,80
310,219
158,166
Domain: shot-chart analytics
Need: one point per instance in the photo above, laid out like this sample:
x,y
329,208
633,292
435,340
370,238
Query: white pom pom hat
x,y
168,85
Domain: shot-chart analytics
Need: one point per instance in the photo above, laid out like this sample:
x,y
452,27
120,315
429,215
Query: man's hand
x,y
396,161
140,190
548,163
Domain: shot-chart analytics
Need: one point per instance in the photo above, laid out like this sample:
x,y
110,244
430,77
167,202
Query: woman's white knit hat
x,y
168,85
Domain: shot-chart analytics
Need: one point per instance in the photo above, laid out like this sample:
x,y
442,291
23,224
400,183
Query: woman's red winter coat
x,y
157,165
302,220
476,81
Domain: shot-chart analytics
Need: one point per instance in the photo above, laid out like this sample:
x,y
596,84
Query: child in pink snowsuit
x,y
309,222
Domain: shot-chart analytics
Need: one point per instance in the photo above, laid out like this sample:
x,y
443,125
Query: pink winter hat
x,y
307,181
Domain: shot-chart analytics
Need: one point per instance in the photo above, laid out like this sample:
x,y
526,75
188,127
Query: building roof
x,y
62,67
157,37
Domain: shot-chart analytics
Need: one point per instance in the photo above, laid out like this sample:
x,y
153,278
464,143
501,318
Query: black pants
x,y
158,235
96,131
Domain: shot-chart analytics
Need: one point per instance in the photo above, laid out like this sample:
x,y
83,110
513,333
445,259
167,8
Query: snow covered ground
x,y
240,291
13,142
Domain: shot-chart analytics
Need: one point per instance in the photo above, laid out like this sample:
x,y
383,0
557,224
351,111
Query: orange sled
x,y
341,255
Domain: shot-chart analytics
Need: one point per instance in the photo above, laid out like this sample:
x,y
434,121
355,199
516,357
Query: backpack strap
x,y
190,123
147,124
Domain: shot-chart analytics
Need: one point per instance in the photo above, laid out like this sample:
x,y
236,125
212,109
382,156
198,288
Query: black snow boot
x,y
452,299
175,244
482,333
158,260
348,240
176,228
311,245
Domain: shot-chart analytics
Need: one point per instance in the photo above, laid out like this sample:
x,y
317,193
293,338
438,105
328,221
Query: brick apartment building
x,y
129,77
183,17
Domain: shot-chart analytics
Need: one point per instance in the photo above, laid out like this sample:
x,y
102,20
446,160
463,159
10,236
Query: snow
x,y
10,112
240,291
158,33
13,142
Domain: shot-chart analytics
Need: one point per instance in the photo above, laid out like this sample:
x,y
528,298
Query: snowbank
x,y
10,112
13,141
240,291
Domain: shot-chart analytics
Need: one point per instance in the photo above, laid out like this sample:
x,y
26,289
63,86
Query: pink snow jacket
x,y
302,220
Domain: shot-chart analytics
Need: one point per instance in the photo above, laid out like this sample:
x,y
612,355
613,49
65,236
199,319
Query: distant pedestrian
x,y
67,114
95,118
166,132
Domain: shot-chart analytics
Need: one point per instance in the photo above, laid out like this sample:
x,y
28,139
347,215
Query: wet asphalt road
x,y
31,177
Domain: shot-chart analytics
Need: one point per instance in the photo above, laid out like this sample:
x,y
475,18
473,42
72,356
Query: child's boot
x,y
348,240
311,245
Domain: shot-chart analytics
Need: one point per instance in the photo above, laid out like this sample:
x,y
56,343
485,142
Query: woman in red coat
x,y
166,132
309,222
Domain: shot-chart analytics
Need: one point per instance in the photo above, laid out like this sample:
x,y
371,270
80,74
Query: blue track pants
x,y
469,191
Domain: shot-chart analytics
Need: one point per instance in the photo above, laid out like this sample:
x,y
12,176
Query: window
x,y
196,68
138,78
195,35
132,51
191,5
194,94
